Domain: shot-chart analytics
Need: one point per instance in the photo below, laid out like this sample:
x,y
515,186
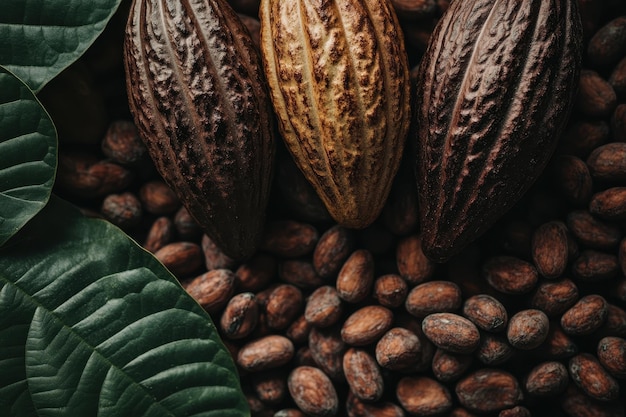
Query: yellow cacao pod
x,y
339,82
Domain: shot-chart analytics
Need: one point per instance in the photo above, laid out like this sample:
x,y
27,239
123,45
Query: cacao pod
x,y
338,77
199,98
495,88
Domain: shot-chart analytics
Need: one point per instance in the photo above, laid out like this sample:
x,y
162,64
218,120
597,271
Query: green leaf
x,y
40,38
27,155
104,329
14,395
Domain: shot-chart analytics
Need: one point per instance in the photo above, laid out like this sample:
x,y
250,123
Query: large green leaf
x,y
40,38
104,329
27,155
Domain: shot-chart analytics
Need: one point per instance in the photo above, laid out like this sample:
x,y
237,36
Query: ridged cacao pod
x,y
199,98
495,88
338,77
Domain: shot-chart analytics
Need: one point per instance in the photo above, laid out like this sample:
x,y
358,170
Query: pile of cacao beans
x,y
322,320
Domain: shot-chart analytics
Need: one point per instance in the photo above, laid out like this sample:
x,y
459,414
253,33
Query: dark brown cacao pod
x,y
199,99
495,88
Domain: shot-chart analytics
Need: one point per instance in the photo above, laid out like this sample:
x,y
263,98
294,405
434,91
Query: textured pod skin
x,y
338,77
494,91
199,98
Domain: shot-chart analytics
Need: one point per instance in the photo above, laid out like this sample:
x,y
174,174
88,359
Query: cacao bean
x,y
494,350
589,375
612,355
298,330
547,379
592,232
586,316
181,258
448,367
121,143
433,297
284,304
608,162
213,289
186,226
596,97
615,324
313,392
157,198
573,179
214,258
160,234
451,332
609,204
327,350
488,390
593,266
527,329
608,44
255,273
366,325
510,275
123,210
289,239
265,353
324,307
486,312
363,375
554,298
413,265
550,249
558,345
331,251
240,316
82,175
398,349
356,277
300,273
423,396
390,290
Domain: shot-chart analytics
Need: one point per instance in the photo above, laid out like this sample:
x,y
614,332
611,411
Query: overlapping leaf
x,y
27,155
107,330
40,38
